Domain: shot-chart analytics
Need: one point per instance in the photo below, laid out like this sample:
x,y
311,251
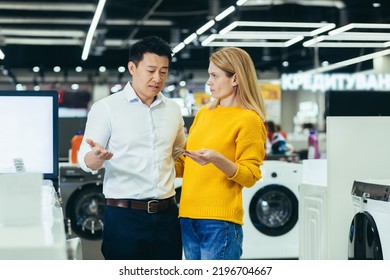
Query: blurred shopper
x,y
273,128
281,131
135,135
225,148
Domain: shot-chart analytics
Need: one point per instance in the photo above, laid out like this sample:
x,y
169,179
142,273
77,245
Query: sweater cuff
x,y
242,177
238,175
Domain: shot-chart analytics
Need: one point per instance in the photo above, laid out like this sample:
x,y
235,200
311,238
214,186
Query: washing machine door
x,y
85,209
273,210
364,242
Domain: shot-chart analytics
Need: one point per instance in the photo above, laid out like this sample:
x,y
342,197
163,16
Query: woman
x,y
224,151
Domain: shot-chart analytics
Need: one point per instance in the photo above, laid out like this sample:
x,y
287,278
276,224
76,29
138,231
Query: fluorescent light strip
x,y
321,3
2,55
348,62
92,28
77,21
359,36
149,22
261,35
293,41
118,43
178,48
240,2
341,29
41,32
347,45
209,39
60,41
322,29
190,38
280,24
225,13
359,25
372,25
69,7
313,41
205,27
228,28
41,41
247,44
235,24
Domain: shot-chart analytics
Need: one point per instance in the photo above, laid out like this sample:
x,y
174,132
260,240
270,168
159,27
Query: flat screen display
x,y
29,132
357,103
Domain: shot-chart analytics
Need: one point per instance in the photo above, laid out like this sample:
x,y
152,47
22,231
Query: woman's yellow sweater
x,y
207,193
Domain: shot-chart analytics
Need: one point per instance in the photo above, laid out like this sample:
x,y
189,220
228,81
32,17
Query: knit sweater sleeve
x,y
179,166
250,151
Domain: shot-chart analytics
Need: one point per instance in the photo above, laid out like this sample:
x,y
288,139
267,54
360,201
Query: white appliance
x,y
271,213
83,206
31,221
370,227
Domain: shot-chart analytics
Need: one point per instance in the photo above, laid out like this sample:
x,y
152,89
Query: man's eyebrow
x,y
154,67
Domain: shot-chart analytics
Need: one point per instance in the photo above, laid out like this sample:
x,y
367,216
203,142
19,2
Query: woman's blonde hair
x,y
236,61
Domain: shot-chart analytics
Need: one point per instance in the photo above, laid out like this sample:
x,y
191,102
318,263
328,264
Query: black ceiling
x,y
180,19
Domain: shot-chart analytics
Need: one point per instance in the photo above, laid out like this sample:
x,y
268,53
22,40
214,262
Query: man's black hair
x,y
151,44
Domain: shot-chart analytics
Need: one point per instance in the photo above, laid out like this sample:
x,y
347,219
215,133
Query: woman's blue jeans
x,y
211,239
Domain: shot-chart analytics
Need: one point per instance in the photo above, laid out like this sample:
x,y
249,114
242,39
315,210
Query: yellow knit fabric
x,y
207,193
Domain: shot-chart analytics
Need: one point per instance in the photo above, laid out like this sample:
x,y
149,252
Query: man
x,y
136,134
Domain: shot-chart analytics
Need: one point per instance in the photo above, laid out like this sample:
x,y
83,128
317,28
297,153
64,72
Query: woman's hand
x,y
203,156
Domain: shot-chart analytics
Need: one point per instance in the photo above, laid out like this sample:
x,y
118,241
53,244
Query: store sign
x,y
336,82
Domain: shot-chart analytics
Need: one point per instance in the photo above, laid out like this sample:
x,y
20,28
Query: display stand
x,y
43,236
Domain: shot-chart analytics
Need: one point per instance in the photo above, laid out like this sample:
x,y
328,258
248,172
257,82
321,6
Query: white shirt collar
x,y
131,96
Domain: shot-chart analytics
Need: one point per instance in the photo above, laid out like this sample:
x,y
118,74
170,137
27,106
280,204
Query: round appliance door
x,y
364,242
273,210
85,209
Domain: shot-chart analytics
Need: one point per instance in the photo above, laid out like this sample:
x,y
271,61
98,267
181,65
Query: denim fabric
x,y
211,239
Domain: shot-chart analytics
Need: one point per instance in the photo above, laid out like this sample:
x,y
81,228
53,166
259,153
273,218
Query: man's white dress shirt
x,y
144,142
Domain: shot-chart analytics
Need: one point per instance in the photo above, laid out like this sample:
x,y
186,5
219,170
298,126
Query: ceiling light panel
x,y
348,45
41,41
348,62
265,33
321,3
41,32
359,26
344,37
68,7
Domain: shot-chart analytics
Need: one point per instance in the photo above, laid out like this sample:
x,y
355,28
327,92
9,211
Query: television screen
x,y
29,132
357,103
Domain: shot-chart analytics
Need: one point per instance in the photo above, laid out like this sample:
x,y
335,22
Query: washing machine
x,y
370,227
271,212
83,205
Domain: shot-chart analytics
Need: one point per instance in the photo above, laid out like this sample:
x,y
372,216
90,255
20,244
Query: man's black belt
x,y
151,206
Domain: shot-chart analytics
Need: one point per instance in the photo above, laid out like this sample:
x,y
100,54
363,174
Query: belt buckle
x,y
150,203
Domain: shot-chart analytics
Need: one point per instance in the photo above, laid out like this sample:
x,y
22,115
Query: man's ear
x,y
131,67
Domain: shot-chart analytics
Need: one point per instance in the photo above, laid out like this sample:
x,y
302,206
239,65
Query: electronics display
x,y
29,132
357,103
